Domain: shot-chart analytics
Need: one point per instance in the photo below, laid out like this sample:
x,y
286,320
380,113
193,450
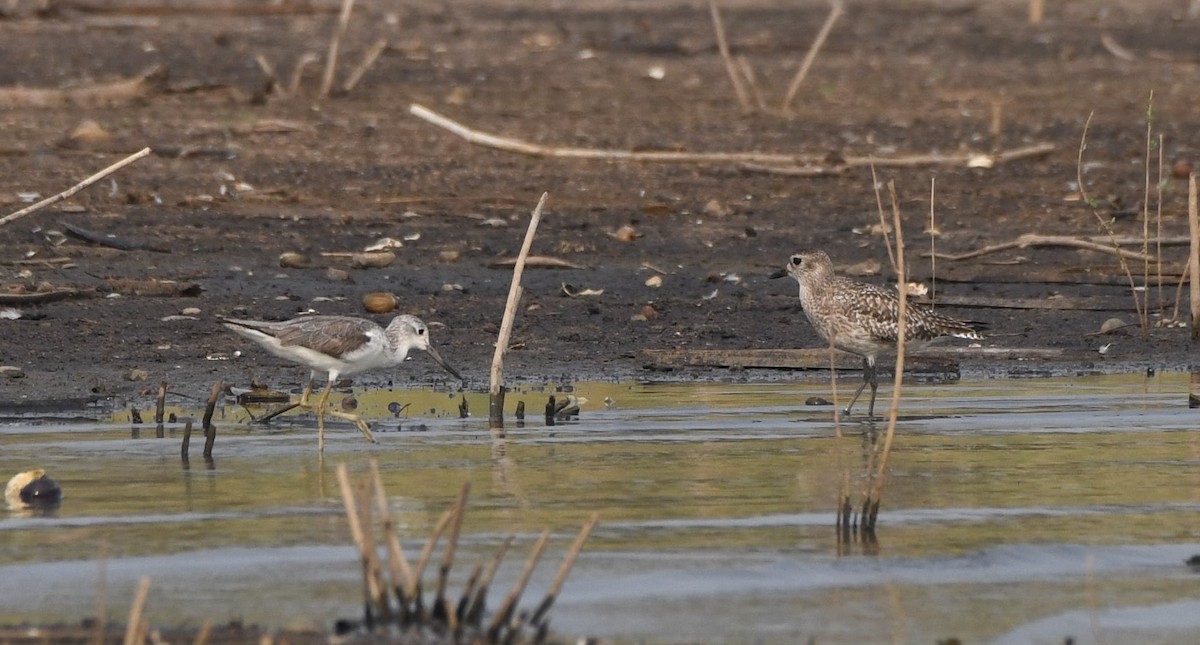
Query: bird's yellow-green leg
x,y
307,393
358,421
321,416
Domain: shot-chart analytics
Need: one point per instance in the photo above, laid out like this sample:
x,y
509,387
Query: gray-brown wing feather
x,y
331,335
878,310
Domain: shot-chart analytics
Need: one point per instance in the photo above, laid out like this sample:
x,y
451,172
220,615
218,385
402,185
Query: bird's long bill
x,y
437,358
778,274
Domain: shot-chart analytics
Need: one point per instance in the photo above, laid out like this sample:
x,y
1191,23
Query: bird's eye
x,y
796,260
421,331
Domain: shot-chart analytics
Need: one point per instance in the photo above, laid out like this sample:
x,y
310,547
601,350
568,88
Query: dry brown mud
x,y
242,173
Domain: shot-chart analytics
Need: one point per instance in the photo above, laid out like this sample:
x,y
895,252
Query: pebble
x,y
12,371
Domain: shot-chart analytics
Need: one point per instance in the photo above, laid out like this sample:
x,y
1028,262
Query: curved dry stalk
x,y
1035,239
835,11
739,88
77,187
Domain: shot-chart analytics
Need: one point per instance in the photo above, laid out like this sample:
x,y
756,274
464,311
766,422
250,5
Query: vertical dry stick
x,y
1037,11
76,188
135,612
460,509
397,561
1158,229
835,12
475,612
883,225
1144,316
748,72
202,635
901,333
334,44
1194,257
374,569
210,431
353,518
302,63
504,613
723,47
496,392
368,60
837,409
564,569
933,233
426,552
161,402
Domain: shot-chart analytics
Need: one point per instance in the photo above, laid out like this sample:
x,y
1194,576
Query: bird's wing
x,y
329,335
878,309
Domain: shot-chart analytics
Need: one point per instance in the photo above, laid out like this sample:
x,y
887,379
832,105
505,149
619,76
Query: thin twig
x,y
723,47
305,59
509,144
1194,255
426,552
475,612
933,233
1158,227
135,612
748,73
504,613
460,509
368,61
335,44
1144,310
77,187
563,570
1035,239
357,533
397,561
835,12
496,395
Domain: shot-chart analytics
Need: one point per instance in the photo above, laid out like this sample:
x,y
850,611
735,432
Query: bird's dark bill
x,y
778,274
437,358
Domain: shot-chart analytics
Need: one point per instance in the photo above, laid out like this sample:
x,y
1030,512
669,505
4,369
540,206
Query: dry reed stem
x,y
723,47
1036,239
883,225
460,509
1144,314
564,569
475,611
160,402
1037,11
374,568
354,518
306,59
901,333
427,551
268,71
517,146
210,431
495,410
335,44
835,11
1158,227
368,61
1103,224
77,187
203,634
932,245
748,72
135,612
397,561
837,408
96,95
794,171
1194,255
504,613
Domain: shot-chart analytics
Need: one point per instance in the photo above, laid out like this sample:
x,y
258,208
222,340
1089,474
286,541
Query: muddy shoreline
x,y
242,175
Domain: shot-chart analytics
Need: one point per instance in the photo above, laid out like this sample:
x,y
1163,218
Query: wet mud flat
x,y
243,173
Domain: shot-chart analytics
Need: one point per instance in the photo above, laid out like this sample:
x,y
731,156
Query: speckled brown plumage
x,y
862,318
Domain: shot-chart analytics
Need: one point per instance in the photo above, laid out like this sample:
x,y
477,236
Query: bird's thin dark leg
x,y
868,369
869,374
321,414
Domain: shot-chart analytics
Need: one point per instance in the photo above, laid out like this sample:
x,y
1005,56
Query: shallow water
x,y
1015,512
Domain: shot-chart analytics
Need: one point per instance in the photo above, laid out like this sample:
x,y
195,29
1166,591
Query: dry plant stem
x,y
1035,239
723,47
397,561
932,245
354,519
460,509
374,568
901,332
1037,11
1158,239
210,431
835,11
135,612
1194,255
306,59
268,71
1103,224
1144,314
504,613
475,612
368,61
426,552
518,146
160,402
335,44
883,225
837,408
564,570
748,72
77,187
495,392
203,634
98,95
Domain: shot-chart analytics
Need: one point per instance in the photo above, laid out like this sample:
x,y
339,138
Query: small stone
x,y
449,256
137,374
1112,324
337,275
715,208
654,281
379,302
12,371
292,260
1181,169
626,233
190,311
